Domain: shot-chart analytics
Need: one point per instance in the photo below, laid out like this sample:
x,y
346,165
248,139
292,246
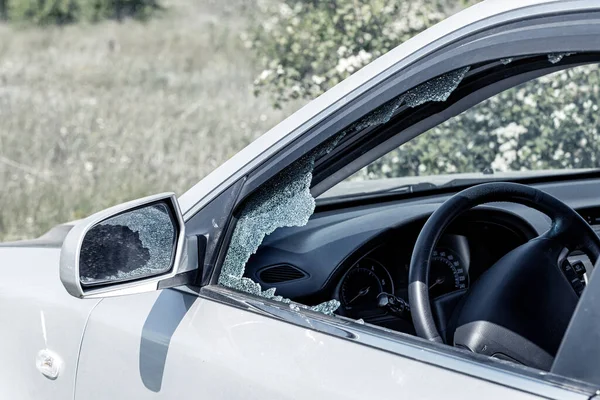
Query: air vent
x,y
281,273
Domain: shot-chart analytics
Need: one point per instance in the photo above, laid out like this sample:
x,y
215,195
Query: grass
x,y
94,115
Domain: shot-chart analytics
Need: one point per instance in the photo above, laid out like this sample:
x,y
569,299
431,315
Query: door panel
x,y
37,313
174,345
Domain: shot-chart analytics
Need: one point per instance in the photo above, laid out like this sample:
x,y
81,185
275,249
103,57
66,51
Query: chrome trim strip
x,y
500,372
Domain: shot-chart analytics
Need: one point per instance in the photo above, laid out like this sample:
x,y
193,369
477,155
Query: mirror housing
x,y
130,248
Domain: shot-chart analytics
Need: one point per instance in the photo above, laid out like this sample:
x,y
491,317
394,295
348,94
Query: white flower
x,y
450,168
364,57
503,160
511,131
529,101
318,79
342,65
505,146
558,154
265,74
499,164
285,10
353,62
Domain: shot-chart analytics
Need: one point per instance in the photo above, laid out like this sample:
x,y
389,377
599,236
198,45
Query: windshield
x,y
545,126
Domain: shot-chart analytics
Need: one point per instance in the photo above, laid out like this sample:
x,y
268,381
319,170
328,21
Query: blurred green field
x,y
93,115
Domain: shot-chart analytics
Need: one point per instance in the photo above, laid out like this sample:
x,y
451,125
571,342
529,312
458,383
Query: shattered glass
x,y
131,245
437,89
379,116
286,201
557,57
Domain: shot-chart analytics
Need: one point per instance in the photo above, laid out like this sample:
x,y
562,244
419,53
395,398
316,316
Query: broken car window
x,y
286,201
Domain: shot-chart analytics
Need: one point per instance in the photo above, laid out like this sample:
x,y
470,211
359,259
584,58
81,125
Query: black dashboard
x,y
470,246
354,254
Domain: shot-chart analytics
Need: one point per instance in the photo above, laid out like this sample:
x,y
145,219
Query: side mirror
x,y
129,248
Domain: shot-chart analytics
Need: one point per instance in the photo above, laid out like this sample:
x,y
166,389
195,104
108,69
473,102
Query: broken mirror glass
x,y
132,245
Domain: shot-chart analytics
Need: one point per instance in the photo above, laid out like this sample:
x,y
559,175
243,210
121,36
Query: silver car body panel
x,y
219,352
37,314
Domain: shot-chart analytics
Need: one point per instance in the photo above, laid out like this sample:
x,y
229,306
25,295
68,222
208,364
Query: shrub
x,y
122,9
61,12
306,47
547,123
3,7
44,11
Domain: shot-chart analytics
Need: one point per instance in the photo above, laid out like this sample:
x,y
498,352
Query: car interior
x,y
492,265
361,256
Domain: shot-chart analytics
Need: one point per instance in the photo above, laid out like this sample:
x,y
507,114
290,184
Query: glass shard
x,y
380,115
506,61
437,89
284,202
327,307
557,57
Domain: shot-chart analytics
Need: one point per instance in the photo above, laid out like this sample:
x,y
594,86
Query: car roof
x,y
474,18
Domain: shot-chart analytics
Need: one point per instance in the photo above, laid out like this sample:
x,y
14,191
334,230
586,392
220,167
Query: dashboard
x,y
385,271
360,255
379,275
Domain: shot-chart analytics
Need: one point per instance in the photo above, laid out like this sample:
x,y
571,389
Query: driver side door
x,y
178,344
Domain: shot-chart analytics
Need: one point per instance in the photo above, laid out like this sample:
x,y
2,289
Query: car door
x,y
220,343
176,344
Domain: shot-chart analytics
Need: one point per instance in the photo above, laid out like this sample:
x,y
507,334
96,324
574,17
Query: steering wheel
x,y
519,309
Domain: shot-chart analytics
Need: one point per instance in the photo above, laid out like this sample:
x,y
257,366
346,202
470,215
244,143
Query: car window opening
x,y
286,201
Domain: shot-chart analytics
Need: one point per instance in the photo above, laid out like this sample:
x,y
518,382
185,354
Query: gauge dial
x,y
361,285
446,273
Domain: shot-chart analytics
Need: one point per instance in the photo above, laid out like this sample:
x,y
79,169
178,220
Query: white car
x,y
408,287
